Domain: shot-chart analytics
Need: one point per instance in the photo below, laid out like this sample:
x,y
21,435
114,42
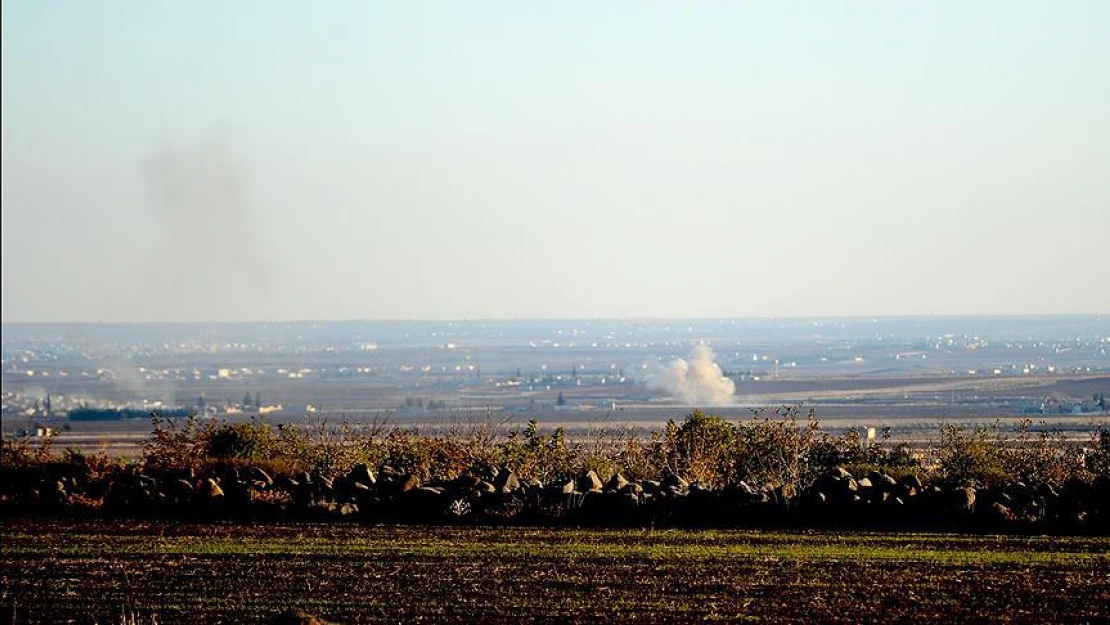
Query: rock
x,y
237,494
632,488
674,481
905,491
256,473
1001,512
882,481
849,486
424,502
865,483
407,482
616,483
961,500
1047,491
913,482
506,481
181,489
467,482
361,474
212,489
589,482
839,473
833,484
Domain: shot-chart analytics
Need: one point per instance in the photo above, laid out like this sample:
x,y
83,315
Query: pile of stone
x,y
502,496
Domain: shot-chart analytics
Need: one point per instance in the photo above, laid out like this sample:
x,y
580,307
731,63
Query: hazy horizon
x,y
274,162
815,318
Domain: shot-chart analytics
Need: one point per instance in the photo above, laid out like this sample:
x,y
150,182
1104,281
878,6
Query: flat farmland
x,y
85,571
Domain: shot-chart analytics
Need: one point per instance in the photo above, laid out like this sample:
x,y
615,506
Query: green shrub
x,y
242,441
700,449
537,455
849,452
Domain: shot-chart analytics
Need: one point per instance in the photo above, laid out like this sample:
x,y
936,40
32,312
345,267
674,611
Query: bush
x,y
176,444
1098,459
777,451
849,452
23,451
700,449
242,441
971,454
1039,457
536,455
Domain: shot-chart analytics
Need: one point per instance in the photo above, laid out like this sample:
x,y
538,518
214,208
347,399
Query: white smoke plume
x,y
698,381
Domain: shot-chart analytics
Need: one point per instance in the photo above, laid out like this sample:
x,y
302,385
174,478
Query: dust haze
x,y
211,259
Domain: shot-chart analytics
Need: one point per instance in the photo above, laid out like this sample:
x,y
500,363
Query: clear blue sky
x,y
291,160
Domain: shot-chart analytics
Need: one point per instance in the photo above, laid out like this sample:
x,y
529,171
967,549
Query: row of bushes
x,y
778,447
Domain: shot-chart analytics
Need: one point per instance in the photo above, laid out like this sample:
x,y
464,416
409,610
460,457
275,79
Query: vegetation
x,y
60,571
778,466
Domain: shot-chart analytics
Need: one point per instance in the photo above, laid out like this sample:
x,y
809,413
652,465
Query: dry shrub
x,y
535,454
849,452
178,444
1098,458
606,447
777,450
700,449
23,451
1039,456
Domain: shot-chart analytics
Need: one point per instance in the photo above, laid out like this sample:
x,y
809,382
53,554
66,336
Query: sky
x,y
282,160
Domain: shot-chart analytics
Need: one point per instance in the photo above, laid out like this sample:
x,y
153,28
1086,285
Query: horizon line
x,y
829,317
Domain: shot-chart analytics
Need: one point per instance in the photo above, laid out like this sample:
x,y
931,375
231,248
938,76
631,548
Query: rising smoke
x,y
212,252
698,381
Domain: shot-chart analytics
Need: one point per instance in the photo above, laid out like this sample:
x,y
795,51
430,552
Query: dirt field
x,y
92,571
